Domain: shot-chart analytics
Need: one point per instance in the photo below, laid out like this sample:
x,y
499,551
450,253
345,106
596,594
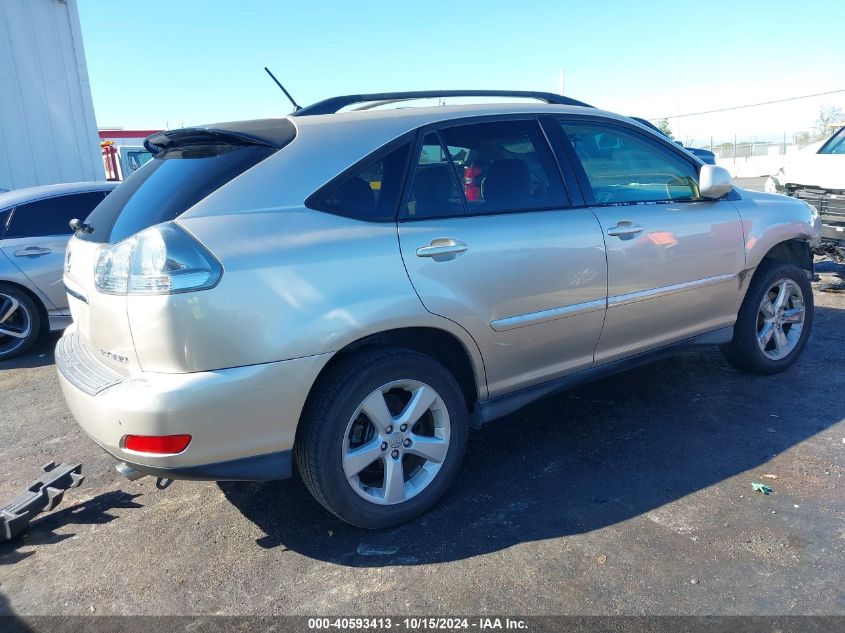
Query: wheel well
x,y
42,309
440,345
794,251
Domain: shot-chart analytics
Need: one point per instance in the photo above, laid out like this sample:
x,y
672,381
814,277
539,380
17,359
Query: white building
x,y
48,133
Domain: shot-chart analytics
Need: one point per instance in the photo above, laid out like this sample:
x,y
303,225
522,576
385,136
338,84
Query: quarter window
x,y
370,193
52,216
625,167
501,166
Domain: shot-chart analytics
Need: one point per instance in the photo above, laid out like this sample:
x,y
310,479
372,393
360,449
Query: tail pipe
x,y
127,471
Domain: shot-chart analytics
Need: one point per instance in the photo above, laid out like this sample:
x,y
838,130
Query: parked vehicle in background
x,y
121,161
704,155
817,175
329,288
34,229
123,151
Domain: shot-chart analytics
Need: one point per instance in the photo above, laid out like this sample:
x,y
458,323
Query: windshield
x,y
835,144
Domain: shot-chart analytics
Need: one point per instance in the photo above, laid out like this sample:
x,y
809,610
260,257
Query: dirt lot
x,y
629,496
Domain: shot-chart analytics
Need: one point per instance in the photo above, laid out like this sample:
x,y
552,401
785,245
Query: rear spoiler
x,y
275,133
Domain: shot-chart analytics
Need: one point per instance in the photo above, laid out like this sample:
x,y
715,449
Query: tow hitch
x,y
133,475
41,496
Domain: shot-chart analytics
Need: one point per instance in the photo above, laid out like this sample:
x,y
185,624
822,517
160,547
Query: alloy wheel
x,y
395,442
15,324
780,319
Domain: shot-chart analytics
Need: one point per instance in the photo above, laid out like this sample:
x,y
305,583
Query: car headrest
x,y
507,181
433,184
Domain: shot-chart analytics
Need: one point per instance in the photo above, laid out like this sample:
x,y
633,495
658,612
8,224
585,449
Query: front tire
x,y
774,321
20,321
382,437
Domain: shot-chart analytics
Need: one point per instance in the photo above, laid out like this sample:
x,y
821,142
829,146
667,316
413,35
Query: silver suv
x,y
350,292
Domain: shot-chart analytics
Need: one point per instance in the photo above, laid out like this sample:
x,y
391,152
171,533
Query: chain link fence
x,y
745,157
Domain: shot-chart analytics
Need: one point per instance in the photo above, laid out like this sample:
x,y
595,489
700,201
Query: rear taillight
x,y
159,444
163,259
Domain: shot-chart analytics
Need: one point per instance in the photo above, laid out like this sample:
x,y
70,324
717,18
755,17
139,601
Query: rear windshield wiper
x,y
80,227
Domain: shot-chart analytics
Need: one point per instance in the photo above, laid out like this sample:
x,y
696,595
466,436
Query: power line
x,y
749,105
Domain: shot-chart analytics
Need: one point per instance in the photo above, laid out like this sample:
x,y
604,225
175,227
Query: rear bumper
x,y
242,420
268,467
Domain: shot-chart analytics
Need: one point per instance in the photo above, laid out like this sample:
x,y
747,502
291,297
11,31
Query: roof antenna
x,y
296,106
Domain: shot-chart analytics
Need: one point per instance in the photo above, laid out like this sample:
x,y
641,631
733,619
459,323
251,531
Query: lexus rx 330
x,y
347,293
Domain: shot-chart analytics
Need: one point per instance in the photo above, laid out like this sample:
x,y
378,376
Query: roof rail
x,y
334,104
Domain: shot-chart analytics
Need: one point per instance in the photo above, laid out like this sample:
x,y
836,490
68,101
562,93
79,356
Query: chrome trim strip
x,y
533,318
653,293
75,293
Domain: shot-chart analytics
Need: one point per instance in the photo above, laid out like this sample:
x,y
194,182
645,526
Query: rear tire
x,y
774,321
20,321
377,466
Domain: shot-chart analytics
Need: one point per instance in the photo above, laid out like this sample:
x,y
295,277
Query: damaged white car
x,y
817,175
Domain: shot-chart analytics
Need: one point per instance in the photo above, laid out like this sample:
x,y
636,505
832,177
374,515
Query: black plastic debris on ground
x,y
41,496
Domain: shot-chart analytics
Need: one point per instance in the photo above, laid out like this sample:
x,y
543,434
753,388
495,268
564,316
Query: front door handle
x,y
32,251
442,248
624,228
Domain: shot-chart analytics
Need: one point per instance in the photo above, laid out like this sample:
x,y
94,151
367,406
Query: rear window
x,y
167,186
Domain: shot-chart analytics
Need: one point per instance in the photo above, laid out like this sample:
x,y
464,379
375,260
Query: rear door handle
x,y
32,251
624,228
442,248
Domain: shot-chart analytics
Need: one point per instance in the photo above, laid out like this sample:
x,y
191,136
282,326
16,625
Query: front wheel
x,y
774,321
382,437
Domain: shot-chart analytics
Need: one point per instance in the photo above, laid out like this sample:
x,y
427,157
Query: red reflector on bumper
x,y
162,444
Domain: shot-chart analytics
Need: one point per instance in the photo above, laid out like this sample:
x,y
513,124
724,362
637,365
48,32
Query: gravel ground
x,y
628,496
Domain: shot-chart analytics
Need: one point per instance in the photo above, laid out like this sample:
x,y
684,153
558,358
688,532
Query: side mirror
x,y
714,181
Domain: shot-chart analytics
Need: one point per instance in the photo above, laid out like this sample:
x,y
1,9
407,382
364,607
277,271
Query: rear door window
x,y
502,167
51,216
625,167
167,186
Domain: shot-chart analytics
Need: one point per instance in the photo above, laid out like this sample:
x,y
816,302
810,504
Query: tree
x,y
829,117
801,138
663,124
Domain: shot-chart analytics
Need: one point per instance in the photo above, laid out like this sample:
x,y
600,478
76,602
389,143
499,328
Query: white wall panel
x,y
48,133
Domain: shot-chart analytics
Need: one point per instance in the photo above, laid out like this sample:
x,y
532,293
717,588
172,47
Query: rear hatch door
x,y
189,165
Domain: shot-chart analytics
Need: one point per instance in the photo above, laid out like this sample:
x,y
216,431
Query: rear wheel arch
x,y
439,344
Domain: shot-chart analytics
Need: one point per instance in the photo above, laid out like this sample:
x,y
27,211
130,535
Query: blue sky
x,y
165,62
